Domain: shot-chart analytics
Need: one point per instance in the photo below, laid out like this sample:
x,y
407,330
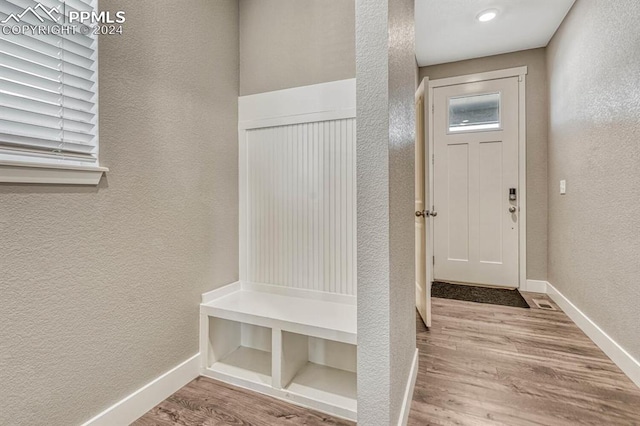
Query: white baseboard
x,y
132,407
408,394
535,286
629,365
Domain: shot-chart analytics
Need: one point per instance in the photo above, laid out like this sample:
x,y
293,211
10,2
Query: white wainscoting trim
x,y
335,100
629,365
408,393
131,408
535,286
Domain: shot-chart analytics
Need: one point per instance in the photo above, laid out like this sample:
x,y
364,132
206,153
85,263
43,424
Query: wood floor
x,y
479,365
495,365
207,402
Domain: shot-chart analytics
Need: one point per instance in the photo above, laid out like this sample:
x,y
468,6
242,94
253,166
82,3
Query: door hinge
x,y
434,260
433,159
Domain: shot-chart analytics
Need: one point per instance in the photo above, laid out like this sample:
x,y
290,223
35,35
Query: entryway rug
x,y
468,293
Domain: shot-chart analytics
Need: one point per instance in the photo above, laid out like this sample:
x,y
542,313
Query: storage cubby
x,y
293,344
320,370
240,350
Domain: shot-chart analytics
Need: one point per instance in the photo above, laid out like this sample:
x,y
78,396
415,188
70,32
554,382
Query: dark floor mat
x,y
494,296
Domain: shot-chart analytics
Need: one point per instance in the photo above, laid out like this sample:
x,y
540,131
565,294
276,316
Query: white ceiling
x,y
448,31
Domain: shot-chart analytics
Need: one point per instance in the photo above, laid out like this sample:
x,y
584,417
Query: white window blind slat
x,y
74,43
67,44
45,108
30,92
44,71
45,83
54,51
46,154
48,88
36,131
33,142
40,131
42,94
38,57
52,121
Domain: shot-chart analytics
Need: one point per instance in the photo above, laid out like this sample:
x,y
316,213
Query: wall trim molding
x,y
334,100
483,76
132,407
629,365
408,393
535,286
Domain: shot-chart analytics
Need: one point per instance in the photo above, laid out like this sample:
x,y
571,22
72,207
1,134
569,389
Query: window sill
x,y
56,174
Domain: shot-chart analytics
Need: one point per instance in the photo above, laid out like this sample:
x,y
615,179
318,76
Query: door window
x,y
474,113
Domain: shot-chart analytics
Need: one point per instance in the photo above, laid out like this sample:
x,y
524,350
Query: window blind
x,y
48,84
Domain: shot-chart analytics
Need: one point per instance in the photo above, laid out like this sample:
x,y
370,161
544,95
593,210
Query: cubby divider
x,y
283,343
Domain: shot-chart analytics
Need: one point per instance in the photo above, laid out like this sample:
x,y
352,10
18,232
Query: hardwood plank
x,y
212,403
494,365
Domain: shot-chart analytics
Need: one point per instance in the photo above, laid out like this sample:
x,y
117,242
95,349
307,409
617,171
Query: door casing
x,y
521,73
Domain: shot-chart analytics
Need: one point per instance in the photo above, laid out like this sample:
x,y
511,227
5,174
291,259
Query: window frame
x,y
25,169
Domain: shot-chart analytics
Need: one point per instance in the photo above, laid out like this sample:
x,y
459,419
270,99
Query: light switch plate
x,y
563,187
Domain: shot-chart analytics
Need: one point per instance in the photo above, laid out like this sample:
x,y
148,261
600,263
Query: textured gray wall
x,y
291,43
594,230
403,72
100,286
372,159
537,128
386,72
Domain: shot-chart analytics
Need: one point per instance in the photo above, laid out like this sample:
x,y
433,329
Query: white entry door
x,y
476,190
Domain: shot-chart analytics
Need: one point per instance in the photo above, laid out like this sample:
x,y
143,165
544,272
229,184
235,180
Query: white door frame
x,y
521,73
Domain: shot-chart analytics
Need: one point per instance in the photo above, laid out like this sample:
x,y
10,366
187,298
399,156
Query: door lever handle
x,y
426,213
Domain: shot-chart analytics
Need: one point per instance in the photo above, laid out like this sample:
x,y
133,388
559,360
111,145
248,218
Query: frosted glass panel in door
x,y
474,113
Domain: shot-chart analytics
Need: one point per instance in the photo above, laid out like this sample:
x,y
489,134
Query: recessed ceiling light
x,y
487,15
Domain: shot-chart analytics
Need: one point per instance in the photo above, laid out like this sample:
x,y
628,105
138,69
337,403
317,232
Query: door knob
x,y
433,213
513,209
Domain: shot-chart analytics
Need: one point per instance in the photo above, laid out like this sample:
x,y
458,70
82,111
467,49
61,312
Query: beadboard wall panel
x,y
301,201
298,187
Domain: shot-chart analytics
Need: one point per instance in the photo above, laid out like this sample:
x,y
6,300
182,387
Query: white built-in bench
x,y
294,344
